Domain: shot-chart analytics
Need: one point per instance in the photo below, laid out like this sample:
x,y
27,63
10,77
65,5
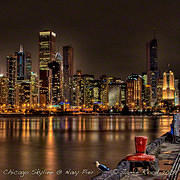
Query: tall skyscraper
x,y
82,90
134,91
152,67
34,88
12,77
47,52
105,81
3,89
21,67
59,59
168,86
56,90
28,66
68,68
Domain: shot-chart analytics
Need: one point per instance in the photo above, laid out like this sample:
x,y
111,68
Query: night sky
x,y
108,36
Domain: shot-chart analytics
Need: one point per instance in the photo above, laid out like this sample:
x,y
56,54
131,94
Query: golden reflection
x,y
84,124
117,124
50,150
66,123
50,131
79,123
132,123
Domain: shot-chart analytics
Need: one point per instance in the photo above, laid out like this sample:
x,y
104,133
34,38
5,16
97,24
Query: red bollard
x,y
140,143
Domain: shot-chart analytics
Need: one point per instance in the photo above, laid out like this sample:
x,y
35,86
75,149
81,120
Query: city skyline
x,y
104,41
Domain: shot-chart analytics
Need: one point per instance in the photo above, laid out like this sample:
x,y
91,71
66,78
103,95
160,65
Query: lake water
x,y
66,147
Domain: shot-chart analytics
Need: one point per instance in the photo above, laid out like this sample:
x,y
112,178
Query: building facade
x,y
3,90
68,70
168,86
134,92
152,67
47,52
12,79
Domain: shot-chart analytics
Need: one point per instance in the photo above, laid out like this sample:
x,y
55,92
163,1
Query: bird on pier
x,y
101,167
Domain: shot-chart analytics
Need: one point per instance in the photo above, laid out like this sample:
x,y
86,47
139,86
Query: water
x,y
66,147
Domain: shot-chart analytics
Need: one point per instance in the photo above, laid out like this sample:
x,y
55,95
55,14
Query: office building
x,y
105,81
168,86
21,64
3,90
47,52
28,69
34,89
134,92
152,67
12,77
68,68
56,81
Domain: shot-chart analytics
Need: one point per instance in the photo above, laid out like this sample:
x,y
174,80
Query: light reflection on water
x,y
71,142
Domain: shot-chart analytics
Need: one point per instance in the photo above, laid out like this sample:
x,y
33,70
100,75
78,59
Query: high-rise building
x,y
12,77
134,91
23,93
21,64
59,59
152,67
82,89
168,86
160,91
105,81
3,89
47,52
147,96
176,85
123,94
34,89
114,94
96,92
68,68
56,89
28,66
77,98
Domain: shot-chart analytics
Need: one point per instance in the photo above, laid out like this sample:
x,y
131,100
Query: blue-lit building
x,y
21,64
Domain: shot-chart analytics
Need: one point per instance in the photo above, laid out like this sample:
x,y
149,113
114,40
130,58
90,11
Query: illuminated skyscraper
x,y
152,67
59,59
47,52
134,91
114,94
21,67
105,81
34,88
3,89
12,77
28,65
82,90
168,86
23,89
56,89
68,68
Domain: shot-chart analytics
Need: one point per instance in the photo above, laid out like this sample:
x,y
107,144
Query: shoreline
x,y
76,114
